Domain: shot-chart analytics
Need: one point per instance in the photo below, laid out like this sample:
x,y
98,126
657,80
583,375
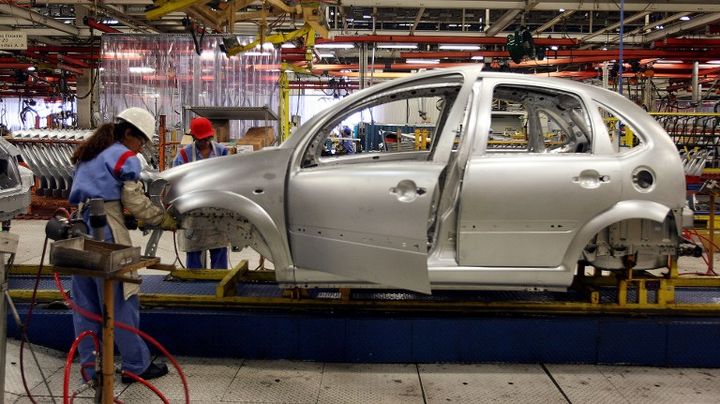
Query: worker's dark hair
x,y
101,139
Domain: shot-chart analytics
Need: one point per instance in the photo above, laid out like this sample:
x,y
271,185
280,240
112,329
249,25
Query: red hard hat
x,y
201,128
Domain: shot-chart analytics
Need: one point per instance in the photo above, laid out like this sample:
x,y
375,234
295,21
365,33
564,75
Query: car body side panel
x,y
364,221
524,210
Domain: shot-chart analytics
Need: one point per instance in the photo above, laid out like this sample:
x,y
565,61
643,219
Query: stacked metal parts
x,y
696,135
47,153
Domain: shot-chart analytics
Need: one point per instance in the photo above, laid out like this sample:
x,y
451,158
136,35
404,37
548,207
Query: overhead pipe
x,y
476,40
698,21
695,84
93,23
610,54
15,66
38,18
594,6
687,43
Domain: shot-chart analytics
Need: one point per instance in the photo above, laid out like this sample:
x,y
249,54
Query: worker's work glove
x,y
168,222
136,202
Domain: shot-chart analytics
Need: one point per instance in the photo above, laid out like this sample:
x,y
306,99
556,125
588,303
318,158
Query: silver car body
x,y
459,215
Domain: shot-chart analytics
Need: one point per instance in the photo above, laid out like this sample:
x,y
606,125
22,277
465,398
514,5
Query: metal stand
x,y
107,358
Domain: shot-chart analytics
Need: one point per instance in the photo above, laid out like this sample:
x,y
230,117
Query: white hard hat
x,y
141,119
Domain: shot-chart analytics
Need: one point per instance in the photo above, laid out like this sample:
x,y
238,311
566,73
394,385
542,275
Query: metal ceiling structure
x,y
576,36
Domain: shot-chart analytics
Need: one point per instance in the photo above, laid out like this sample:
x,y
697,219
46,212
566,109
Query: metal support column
x,y
695,83
284,106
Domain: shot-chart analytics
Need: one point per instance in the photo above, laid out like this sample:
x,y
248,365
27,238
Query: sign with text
x,y
13,40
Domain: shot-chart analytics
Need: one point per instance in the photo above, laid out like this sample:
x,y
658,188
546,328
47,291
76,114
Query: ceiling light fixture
x,y
668,61
397,46
422,61
332,45
326,55
479,57
685,18
141,69
458,47
554,47
288,45
714,62
31,68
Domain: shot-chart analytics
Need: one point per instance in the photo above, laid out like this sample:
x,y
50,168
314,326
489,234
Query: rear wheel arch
x,y
622,211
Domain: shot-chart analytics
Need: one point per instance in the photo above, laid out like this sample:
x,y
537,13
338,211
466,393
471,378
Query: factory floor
x,y
253,381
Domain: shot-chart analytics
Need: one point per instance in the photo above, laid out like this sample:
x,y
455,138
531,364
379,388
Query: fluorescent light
x,y
397,46
562,10
326,55
478,58
714,62
207,55
288,45
422,61
141,69
554,47
459,47
658,27
111,22
31,68
367,17
333,45
668,61
255,53
685,18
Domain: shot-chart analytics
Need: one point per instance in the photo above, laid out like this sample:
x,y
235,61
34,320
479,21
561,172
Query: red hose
x,y
93,316
69,361
146,384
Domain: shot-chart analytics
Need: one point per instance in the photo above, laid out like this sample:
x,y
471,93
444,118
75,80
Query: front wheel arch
x,y
254,213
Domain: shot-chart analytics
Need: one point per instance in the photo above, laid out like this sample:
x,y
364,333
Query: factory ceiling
x,y
571,38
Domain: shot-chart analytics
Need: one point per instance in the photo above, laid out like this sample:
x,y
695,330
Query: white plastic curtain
x,y
163,73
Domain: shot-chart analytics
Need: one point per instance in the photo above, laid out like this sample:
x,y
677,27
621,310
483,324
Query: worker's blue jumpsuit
x,y
103,177
218,256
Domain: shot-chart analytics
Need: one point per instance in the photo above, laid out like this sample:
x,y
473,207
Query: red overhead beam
x,y
687,43
442,39
608,54
93,23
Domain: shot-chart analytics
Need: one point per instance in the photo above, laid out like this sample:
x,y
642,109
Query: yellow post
x,y
284,105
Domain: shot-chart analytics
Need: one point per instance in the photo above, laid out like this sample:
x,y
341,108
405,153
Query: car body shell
x,y
498,221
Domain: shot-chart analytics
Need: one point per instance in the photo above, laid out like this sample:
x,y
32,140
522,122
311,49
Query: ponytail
x,y
101,139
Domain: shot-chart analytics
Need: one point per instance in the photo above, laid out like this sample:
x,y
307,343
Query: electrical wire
x,y
26,325
71,356
146,384
177,254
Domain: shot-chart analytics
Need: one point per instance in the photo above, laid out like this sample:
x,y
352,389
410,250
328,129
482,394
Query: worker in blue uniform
x,y
106,167
196,241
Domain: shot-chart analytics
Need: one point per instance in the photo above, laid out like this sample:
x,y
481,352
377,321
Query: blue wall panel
x,y
413,338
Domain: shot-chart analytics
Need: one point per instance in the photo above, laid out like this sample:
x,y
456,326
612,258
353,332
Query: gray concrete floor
x,y
252,381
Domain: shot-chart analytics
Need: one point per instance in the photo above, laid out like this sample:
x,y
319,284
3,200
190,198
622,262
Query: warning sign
x,y
13,40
